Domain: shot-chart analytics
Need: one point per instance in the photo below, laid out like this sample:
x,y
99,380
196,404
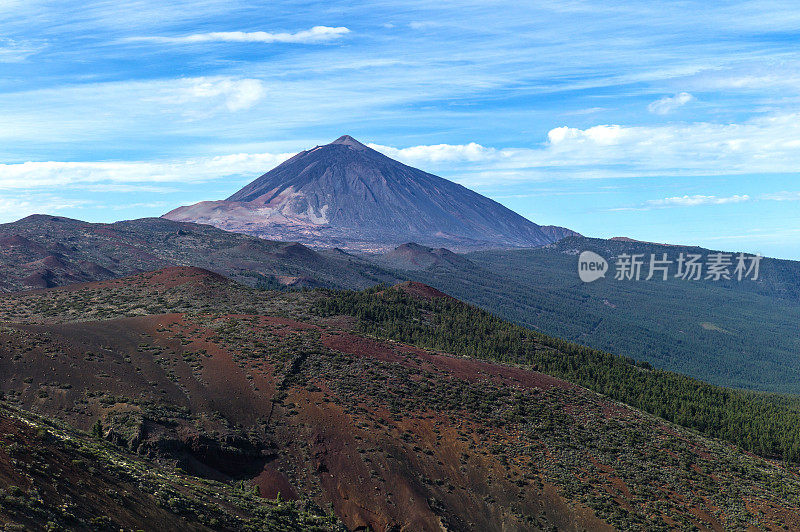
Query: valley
x,y
731,333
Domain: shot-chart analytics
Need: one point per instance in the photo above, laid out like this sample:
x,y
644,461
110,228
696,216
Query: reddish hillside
x,y
412,256
170,387
251,386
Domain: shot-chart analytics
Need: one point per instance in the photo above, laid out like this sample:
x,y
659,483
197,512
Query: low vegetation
x,y
207,404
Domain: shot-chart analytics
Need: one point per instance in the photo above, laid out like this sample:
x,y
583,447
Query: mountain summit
x,y
347,140
348,195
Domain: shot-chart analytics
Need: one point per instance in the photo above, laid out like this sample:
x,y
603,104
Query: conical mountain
x,y
348,195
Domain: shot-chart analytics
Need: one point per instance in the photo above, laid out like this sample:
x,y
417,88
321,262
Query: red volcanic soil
x,y
179,275
15,240
309,442
377,468
421,290
50,261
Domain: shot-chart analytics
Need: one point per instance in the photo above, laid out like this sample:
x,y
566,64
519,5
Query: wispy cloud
x,y
667,104
142,205
421,25
13,51
32,175
15,208
782,196
765,144
317,34
698,199
439,153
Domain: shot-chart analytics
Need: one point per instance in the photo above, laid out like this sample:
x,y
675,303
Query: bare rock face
x,y
348,195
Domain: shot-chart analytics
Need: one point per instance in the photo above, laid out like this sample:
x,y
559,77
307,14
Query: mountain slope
x,y
740,334
292,393
44,251
348,195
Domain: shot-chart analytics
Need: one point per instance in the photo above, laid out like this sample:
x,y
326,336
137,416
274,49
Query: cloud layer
x,y
764,145
768,144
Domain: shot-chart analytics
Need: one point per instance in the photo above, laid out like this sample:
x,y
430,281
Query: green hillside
x,y
737,334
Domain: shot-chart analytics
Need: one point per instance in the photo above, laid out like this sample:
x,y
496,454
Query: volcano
x,y
347,195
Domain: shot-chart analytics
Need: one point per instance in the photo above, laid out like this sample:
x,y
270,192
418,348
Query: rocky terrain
x,y
54,477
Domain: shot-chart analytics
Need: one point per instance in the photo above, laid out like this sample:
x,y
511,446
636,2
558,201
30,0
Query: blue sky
x,y
672,122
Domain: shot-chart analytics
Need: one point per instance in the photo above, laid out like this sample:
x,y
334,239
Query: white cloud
x,y
697,199
108,114
131,187
767,144
588,111
198,96
602,135
421,25
667,104
438,153
32,175
142,205
237,94
317,34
